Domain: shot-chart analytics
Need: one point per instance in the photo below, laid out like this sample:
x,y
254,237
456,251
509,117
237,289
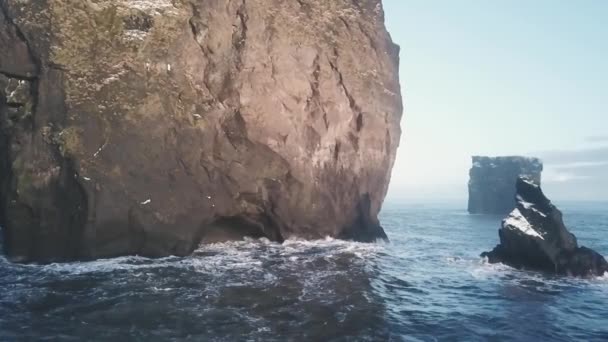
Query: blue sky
x,y
502,78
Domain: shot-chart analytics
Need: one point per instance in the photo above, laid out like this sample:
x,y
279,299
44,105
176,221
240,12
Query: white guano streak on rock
x,y
526,205
530,182
135,35
99,150
529,206
539,212
149,5
517,221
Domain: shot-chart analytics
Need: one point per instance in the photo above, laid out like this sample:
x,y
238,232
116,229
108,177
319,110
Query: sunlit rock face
x,y
146,127
534,236
492,182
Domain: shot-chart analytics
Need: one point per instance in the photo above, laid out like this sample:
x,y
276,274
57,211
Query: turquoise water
x,y
427,284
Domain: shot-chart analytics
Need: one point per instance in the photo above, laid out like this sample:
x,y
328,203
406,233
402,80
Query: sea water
x,y
427,284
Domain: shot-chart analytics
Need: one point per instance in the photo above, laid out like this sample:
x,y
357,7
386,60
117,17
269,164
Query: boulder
x,y
147,127
492,182
534,236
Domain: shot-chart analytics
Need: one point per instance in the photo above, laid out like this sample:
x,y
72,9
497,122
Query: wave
x,y
248,254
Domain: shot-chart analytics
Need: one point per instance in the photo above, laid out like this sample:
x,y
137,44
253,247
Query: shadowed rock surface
x,y
534,236
492,182
145,127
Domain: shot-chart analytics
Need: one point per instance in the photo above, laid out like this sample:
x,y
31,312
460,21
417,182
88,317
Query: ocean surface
x,y
427,284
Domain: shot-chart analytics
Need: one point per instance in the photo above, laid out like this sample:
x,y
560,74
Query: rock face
x,y
492,182
148,126
534,236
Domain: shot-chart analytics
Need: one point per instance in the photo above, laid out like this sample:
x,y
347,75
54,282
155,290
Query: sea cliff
x,y
148,127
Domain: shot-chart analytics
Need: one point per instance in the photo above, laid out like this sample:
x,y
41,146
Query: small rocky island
x,y
148,127
492,182
534,236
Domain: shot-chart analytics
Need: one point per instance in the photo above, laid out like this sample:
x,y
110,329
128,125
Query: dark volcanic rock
x,y
534,236
145,127
492,182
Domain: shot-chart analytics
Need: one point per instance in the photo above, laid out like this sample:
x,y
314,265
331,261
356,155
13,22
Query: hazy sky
x,y
502,77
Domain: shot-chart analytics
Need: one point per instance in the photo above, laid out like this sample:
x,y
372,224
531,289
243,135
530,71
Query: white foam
x,y
167,289
105,265
484,270
318,265
603,278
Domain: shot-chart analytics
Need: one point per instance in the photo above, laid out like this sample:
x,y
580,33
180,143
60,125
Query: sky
x,y
501,77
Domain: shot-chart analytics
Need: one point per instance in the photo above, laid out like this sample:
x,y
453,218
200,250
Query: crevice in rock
x,y
312,138
18,95
32,80
354,141
18,102
365,228
314,104
235,129
199,29
72,201
359,122
271,32
345,23
230,63
239,37
316,73
44,209
9,74
387,141
199,34
337,151
34,58
351,100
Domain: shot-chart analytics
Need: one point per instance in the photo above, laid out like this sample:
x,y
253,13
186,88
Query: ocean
x,y
427,284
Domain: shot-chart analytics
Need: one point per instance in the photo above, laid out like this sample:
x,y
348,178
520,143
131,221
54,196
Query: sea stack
x,y
534,236
492,182
147,127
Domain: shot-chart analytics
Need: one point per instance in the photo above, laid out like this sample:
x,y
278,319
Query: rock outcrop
x,y
534,236
492,182
148,126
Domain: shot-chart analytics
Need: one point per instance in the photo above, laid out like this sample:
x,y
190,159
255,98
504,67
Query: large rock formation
x,y
148,126
492,182
534,236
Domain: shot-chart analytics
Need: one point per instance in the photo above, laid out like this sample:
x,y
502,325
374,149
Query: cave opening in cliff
x,y
237,228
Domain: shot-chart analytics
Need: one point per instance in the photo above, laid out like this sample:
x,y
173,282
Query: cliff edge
x,y
148,127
